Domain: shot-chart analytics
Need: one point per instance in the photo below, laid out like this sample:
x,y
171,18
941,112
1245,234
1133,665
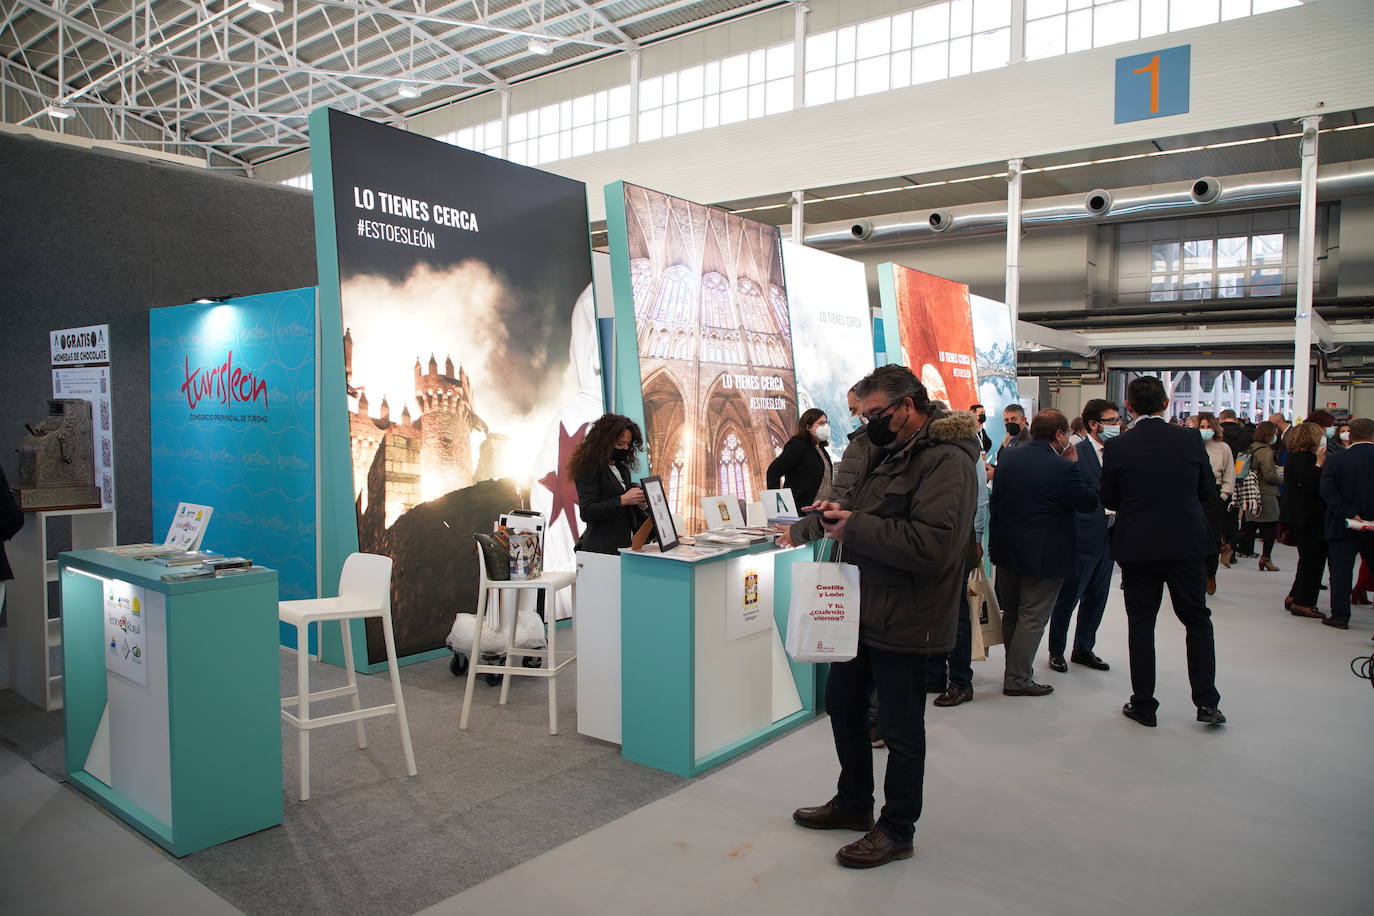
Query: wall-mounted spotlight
x,y
206,300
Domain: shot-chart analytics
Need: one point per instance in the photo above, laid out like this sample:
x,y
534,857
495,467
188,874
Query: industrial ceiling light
x,y
540,47
409,91
266,6
58,112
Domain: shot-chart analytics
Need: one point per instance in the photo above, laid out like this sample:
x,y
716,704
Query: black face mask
x,y
982,418
620,455
880,431
1013,428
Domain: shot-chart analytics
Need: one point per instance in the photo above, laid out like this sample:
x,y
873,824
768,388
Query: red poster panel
x,y
935,327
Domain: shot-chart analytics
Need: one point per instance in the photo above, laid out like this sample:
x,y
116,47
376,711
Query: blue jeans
x,y
1088,590
955,667
899,679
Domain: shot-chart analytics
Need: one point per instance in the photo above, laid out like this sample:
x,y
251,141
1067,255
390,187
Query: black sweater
x,y
802,467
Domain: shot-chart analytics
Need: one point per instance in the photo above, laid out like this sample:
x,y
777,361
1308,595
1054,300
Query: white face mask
x,y
1345,435
821,431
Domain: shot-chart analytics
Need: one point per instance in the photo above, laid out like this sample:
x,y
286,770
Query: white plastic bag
x,y
529,633
823,616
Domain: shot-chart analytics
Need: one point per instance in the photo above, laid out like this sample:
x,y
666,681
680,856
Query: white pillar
x,y
798,222
505,124
1307,244
634,97
1013,291
799,60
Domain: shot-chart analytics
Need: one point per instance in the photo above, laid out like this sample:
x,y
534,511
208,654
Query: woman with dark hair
x,y
1224,471
804,465
610,503
1302,509
1263,522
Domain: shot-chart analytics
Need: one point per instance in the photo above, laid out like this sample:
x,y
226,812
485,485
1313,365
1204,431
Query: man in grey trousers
x,y
1035,493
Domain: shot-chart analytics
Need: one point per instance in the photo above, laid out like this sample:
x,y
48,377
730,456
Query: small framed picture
x,y
660,512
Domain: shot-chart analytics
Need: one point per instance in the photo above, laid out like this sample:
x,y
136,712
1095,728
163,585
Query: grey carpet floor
x,y
373,840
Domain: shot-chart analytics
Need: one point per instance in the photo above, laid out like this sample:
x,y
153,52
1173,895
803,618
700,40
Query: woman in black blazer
x,y
804,465
1301,508
610,503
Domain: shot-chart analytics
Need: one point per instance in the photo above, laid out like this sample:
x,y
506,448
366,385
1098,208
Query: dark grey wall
x,y
94,237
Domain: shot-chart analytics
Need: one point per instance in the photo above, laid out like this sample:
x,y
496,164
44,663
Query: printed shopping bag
x,y
985,613
823,617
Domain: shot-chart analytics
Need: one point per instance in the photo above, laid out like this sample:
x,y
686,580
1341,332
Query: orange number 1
x,y
1152,68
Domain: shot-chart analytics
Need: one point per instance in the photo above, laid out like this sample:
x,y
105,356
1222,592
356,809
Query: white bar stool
x,y
551,583
364,591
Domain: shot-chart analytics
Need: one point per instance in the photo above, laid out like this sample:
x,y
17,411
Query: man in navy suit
x,y
1347,487
1035,493
1159,480
1090,588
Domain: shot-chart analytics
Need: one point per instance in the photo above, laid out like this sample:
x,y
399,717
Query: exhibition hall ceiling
x,y
1235,151
235,79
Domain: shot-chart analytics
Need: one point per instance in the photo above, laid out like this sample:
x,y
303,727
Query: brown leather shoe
x,y
1298,610
874,849
829,817
953,696
1226,555
1034,690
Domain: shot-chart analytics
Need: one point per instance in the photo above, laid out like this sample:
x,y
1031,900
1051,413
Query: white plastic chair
x,y
551,583
364,591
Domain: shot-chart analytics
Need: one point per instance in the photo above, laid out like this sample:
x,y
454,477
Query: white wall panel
x,y
1272,67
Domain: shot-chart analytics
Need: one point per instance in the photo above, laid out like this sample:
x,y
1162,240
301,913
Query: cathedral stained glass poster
x,y
703,291
933,326
470,356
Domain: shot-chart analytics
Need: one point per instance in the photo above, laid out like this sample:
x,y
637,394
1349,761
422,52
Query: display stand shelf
x,y
191,756
695,690
33,632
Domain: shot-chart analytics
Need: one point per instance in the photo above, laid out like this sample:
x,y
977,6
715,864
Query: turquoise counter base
x,y
658,663
223,701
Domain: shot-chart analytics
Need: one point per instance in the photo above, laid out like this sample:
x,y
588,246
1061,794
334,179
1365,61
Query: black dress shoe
x,y
1089,660
1034,690
829,817
1338,624
1057,663
874,849
954,696
1146,719
1210,716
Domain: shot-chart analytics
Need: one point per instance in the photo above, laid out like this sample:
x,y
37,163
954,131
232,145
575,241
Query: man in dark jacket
x,y
907,525
1033,541
1089,589
1347,486
1159,481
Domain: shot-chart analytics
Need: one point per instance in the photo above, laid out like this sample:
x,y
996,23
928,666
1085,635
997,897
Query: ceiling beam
x,y
468,23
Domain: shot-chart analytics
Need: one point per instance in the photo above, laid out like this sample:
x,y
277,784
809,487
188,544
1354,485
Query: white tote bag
x,y
823,617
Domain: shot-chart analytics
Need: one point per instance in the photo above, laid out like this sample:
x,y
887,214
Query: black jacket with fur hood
x,y
910,533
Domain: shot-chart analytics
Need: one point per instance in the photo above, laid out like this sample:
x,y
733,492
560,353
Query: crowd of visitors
x,y
1167,501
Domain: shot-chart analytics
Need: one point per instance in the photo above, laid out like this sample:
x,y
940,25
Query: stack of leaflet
x,y
142,551
185,566
731,537
189,558
783,521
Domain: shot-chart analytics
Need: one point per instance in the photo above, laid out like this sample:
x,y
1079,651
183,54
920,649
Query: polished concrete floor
x,y
1054,805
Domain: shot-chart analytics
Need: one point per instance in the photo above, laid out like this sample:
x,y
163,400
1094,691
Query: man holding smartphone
x,y
907,524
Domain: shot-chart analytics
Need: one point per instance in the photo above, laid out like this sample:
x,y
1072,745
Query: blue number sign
x,y
1153,84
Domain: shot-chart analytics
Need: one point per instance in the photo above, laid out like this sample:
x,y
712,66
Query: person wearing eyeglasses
x,y
907,524
1088,590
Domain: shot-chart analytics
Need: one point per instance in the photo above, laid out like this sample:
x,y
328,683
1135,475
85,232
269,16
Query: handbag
x,y
495,550
823,614
1286,535
985,614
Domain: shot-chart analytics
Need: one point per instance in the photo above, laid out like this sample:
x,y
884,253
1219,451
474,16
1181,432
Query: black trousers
x,y
899,679
1248,533
1307,581
1341,554
1186,580
955,667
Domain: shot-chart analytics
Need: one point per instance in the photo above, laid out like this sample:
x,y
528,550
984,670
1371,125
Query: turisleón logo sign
x,y
223,384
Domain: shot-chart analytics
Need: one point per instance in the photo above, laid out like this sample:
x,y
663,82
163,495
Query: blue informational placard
x,y
1153,85
233,427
